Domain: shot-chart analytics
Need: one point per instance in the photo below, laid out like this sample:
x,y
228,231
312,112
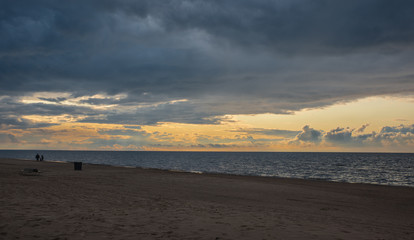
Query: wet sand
x,y
103,202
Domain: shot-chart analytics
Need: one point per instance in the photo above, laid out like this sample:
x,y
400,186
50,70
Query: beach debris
x,y
77,166
30,172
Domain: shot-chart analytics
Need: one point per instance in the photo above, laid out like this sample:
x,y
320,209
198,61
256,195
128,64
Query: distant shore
x,y
132,203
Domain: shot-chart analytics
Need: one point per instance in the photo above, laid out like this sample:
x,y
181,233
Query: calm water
x,y
374,168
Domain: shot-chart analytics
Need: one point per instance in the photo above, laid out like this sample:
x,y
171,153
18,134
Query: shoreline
x,y
104,201
218,173
96,150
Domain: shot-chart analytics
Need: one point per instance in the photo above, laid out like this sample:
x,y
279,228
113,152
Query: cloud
x,y
54,100
269,132
125,132
232,57
13,138
8,138
402,129
362,128
15,122
308,135
339,135
402,135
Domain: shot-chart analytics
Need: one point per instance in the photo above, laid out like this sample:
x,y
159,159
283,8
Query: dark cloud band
x,y
224,57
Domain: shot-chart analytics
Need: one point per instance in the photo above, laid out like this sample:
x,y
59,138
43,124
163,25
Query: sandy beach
x,y
104,202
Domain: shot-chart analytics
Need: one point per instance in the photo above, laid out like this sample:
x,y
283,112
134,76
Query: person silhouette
x,y
42,158
37,157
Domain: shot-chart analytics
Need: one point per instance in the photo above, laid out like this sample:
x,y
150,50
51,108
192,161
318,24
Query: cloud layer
x,y
401,136
232,57
99,74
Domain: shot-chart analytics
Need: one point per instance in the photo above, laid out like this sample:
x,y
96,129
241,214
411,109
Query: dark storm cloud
x,y
224,57
180,113
297,26
12,108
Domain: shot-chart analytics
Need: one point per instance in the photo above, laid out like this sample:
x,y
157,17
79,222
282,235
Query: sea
x,y
395,169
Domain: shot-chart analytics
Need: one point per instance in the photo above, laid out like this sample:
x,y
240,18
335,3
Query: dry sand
x,y
103,202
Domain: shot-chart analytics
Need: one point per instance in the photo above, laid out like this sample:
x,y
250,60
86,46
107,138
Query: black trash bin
x,y
77,165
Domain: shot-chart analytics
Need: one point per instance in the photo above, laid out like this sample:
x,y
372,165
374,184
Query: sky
x,y
182,75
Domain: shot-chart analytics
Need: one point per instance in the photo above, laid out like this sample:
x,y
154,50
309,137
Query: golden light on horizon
x,y
376,111
261,132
